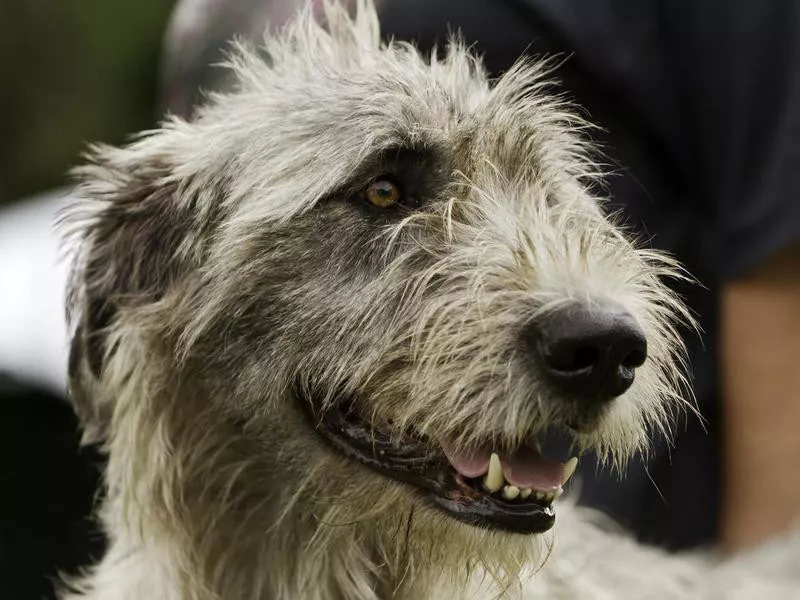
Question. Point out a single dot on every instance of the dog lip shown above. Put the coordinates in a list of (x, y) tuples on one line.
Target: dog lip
[(487, 513), (468, 504), (409, 462)]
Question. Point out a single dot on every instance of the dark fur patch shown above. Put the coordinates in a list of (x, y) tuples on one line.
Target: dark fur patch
[(132, 261), (133, 257)]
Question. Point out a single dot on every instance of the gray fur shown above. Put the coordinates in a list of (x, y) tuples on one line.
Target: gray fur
[(224, 264)]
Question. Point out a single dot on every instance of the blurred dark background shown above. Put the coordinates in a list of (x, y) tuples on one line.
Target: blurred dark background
[(72, 71)]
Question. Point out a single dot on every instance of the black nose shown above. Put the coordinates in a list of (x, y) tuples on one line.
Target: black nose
[(591, 352)]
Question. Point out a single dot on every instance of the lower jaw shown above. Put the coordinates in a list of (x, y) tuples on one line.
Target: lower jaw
[(523, 519), (461, 501), (439, 487)]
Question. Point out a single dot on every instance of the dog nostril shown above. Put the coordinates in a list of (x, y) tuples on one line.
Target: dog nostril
[(565, 357), (634, 359), (589, 352)]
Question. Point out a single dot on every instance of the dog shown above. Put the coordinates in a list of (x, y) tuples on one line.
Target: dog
[(345, 334)]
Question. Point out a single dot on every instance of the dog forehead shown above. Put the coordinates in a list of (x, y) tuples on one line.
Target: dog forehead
[(393, 99), (326, 119), (390, 93), (327, 103)]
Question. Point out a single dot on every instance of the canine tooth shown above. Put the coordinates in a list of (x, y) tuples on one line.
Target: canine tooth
[(493, 480), (557, 493), (510, 492), (524, 493), (569, 469)]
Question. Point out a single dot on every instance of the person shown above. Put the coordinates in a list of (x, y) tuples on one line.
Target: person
[(699, 104)]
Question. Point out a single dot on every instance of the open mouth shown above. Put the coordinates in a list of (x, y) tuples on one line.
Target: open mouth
[(511, 492)]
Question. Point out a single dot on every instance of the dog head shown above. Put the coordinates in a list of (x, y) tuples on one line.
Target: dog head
[(368, 280)]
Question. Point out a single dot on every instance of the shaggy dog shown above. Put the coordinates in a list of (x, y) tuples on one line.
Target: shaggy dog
[(332, 330)]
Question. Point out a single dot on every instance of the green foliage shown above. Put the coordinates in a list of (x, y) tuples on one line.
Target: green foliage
[(73, 71)]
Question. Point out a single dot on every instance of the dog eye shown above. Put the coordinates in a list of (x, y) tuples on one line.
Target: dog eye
[(383, 193)]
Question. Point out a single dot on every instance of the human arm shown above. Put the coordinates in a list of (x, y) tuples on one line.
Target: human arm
[(759, 357)]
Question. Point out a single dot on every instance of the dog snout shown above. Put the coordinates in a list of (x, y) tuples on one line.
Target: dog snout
[(588, 352)]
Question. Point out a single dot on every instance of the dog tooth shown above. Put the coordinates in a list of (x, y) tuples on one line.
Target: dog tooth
[(493, 480), (510, 492), (569, 469), (525, 492), (557, 493)]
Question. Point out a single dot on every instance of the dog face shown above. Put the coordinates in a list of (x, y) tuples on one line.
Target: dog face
[(376, 271)]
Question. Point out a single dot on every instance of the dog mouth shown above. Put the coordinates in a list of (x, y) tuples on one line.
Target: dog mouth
[(511, 491)]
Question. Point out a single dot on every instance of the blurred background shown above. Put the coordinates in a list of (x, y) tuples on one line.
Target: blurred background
[(70, 72)]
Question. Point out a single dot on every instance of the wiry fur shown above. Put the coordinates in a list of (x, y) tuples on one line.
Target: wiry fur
[(225, 265)]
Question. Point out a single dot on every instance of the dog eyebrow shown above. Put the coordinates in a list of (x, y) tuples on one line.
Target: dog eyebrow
[(392, 160)]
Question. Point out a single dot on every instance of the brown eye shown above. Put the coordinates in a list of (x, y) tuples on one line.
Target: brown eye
[(382, 193)]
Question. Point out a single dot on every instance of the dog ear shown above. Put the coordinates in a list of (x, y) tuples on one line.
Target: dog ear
[(130, 223)]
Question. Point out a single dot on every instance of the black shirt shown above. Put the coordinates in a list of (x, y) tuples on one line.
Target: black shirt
[(700, 102)]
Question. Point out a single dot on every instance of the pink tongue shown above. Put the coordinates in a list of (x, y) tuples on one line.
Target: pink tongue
[(473, 463), (526, 468)]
